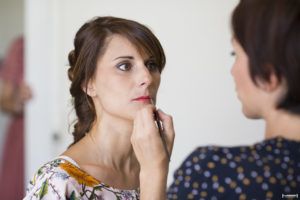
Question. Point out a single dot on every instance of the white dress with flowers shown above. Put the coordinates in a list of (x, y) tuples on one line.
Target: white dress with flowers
[(62, 178)]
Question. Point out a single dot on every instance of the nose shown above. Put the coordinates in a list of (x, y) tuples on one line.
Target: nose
[(144, 77)]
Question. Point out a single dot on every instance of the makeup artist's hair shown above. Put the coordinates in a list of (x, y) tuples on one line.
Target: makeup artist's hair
[(89, 44), (269, 32)]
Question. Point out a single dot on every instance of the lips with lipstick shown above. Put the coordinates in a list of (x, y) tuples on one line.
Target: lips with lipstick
[(146, 99)]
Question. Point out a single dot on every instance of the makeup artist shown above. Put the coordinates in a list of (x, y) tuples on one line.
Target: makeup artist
[(117, 152), (266, 43)]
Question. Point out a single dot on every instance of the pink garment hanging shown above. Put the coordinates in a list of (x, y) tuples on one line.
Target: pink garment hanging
[(12, 174)]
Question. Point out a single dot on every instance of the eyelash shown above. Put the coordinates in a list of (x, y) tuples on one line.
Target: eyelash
[(232, 53)]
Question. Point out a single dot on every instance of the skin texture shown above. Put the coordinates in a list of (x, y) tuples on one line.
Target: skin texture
[(124, 137)]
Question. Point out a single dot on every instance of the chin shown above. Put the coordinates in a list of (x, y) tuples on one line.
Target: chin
[(251, 115), (131, 115), (131, 112)]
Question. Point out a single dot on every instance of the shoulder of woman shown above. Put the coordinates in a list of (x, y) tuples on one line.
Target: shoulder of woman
[(51, 181)]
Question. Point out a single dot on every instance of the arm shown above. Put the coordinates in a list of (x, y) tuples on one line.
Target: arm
[(150, 152), (13, 98), (153, 184), (14, 91)]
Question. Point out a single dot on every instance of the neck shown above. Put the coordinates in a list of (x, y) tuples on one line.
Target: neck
[(110, 143), (280, 123)]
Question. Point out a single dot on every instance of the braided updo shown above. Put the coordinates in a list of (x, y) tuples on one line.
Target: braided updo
[(89, 44)]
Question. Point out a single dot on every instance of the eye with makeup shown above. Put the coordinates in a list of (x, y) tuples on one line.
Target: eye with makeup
[(151, 65), (124, 66)]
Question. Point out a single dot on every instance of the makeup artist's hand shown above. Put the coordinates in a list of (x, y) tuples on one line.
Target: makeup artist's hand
[(150, 152)]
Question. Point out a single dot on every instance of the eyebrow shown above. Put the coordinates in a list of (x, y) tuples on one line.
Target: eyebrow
[(128, 57)]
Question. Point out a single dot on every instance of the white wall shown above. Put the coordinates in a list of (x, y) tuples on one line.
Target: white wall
[(196, 88), (43, 116), (11, 22)]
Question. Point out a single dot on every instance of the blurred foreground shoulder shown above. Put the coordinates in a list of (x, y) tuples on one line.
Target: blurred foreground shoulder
[(271, 167)]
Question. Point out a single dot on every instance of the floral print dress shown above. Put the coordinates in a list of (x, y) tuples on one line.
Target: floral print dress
[(62, 178)]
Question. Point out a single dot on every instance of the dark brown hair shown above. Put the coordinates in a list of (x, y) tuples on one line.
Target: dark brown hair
[(89, 43), (269, 32)]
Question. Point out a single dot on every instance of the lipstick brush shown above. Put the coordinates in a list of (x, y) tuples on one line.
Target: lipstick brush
[(156, 116)]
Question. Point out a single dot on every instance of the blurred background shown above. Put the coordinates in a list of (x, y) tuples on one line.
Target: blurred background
[(196, 87), (9, 30)]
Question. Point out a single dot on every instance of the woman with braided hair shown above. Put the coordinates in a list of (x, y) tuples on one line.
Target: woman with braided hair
[(115, 70)]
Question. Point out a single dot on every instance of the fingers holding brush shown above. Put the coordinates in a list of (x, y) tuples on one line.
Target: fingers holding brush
[(150, 151), (146, 140)]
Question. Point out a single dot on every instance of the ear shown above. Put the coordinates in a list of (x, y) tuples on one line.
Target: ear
[(271, 85), (89, 89), (273, 82)]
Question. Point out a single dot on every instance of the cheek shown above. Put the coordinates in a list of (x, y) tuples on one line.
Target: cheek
[(239, 72), (235, 67), (114, 97), (232, 70), (110, 89), (156, 80), (235, 73), (114, 88)]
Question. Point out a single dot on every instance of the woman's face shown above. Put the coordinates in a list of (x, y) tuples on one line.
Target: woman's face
[(124, 80), (247, 91)]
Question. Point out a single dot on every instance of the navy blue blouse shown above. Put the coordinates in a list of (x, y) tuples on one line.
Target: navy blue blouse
[(266, 170)]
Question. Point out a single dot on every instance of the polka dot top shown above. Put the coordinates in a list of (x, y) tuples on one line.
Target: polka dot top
[(266, 170)]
